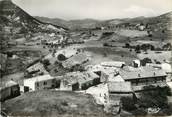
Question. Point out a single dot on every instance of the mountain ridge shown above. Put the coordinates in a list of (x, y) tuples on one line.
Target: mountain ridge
[(92, 23)]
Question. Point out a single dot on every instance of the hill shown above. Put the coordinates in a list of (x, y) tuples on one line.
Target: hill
[(161, 21), (16, 23), (53, 103), (16, 20), (54, 21), (71, 24)]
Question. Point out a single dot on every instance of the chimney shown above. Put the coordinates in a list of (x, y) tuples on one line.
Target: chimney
[(154, 73)]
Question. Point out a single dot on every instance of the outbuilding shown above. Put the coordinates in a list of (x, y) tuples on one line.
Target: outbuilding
[(8, 90)]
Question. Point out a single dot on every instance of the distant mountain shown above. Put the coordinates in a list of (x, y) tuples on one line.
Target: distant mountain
[(91, 23), (71, 24), (162, 19)]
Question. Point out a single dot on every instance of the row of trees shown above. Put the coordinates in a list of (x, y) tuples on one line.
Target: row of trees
[(146, 47)]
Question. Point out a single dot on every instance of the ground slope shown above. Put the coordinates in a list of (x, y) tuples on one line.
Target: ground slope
[(55, 104)]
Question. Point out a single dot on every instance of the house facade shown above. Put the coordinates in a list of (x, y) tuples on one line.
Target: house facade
[(144, 76), (40, 82), (9, 90), (117, 90)]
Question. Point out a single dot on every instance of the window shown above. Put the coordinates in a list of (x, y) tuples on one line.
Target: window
[(37, 84), (45, 83)]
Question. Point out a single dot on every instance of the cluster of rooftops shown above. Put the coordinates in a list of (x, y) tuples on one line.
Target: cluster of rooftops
[(115, 73), (118, 77)]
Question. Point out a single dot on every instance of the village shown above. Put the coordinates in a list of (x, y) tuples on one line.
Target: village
[(109, 68), (69, 68)]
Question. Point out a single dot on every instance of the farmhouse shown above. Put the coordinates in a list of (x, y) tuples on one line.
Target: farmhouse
[(8, 90), (79, 81), (107, 74), (40, 82), (144, 76)]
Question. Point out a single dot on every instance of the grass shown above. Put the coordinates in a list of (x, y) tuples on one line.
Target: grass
[(53, 103), (101, 54), (163, 55)]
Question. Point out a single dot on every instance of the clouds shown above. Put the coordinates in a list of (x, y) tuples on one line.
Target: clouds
[(135, 10), (96, 9)]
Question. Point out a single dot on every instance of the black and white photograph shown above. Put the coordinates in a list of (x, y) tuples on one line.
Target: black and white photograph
[(85, 58)]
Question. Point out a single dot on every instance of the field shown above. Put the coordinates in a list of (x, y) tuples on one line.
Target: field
[(54, 104), (100, 54), (159, 56)]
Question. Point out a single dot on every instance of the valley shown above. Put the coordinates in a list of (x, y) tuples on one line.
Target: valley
[(54, 67)]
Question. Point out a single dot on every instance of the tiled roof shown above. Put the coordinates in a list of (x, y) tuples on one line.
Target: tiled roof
[(80, 77), (7, 84), (40, 78), (142, 72), (37, 66), (74, 60)]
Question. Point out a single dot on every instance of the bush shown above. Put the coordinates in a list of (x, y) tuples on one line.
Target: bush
[(145, 60), (105, 44), (154, 97), (46, 62), (137, 48), (128, 104), (61, 57), (127, 45)]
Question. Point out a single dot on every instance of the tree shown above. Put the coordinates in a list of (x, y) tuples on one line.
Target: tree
[(128, 103), (137, 49), (154, 97), (144, 47), (167, 46), (145, 60), (127, 45), (61, 57), (105, 44), (46, 62), (152, 47)]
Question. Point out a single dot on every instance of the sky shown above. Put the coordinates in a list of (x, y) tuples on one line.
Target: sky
[(94, 9)]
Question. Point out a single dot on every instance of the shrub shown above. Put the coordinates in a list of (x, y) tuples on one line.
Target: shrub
[(61, 57), (145, 60), (105, 44), (46, 62), (127, 45), (128, 104), (154, 97)]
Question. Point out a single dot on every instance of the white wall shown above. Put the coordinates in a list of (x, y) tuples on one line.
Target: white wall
[(30, 84)]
